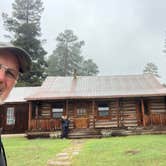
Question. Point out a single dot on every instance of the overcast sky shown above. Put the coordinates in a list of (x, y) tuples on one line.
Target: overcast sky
[(120, 36)]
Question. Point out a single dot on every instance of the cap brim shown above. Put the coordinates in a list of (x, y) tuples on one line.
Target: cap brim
[(23, 58)]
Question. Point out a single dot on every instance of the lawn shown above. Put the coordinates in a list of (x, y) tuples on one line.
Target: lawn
[(143, 150), (147, 150), (36, 152)]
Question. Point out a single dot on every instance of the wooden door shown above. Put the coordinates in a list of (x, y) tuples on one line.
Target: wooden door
[(81, 116), (81, 122)]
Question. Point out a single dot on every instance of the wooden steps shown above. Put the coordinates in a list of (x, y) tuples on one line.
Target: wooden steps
[(84, 133), (37, 134)]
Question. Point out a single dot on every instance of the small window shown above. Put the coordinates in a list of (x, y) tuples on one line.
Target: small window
[(81, 111), (10, 116), (103, 109), (57, 111)]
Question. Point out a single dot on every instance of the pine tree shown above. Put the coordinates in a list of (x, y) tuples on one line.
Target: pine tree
[(151, 68), (24, 27), (67, 57)]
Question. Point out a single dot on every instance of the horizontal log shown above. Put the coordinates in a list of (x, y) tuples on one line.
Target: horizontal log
[(106, 125), (129, 121), (158, 111), (131, 125), (133, 112), (157, 108)]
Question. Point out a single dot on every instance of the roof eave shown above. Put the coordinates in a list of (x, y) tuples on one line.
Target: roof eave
[(94, 97)]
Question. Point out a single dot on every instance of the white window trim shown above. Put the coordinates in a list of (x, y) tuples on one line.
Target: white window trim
[(57, 111), (10, 117)]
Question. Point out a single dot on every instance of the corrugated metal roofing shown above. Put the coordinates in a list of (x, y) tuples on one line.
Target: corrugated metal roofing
[(99, 86), (18, 94)]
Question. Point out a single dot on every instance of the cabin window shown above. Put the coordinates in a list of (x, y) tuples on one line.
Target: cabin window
[(103, 109), (10, 116), (81, 111), (57, 111)]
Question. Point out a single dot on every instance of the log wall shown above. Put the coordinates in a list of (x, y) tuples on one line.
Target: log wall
[(112, 119), (128, 113), (123, 112), (157, 111)]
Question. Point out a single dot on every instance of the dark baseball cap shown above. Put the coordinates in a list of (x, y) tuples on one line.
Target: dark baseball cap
[(22, 56)]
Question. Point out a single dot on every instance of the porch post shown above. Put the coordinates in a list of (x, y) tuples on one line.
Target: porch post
[(143, 112), (37, 114), (93, 112), (118, 107), (137, 113), (36, 111), (67, 108), (30, 115)]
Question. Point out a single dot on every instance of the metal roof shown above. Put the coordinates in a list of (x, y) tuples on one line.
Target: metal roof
[(18, 94), (99, 87)]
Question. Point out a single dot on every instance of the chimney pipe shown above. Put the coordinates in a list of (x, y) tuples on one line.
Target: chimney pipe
[(75, 74)]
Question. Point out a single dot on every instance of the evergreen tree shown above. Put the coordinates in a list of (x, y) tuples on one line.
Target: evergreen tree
[(89, 68), (67, 57), (151, 68), (24, 27)]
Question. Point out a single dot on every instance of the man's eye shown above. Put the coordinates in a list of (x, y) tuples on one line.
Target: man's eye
[(11, 74)]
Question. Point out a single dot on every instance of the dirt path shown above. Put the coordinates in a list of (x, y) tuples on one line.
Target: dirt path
[(65, 158)]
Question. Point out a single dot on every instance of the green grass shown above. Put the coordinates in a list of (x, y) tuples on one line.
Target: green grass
[(36, 152), (143, 150), (147, 150)]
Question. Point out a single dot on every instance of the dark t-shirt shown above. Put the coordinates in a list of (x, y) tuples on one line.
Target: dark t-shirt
[(2, 160), (65, 123), (2, 155)]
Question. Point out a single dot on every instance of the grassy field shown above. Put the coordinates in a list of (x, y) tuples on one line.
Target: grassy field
[(147, 150), (36, 152)]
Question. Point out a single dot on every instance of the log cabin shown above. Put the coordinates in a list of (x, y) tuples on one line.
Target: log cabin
[(14, 112), (98, 102)]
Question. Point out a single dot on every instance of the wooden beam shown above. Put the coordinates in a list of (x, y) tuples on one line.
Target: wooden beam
[(165, 112), (93, 112), (160, 119), (118, 107), (143, 112), (37, 114), (137, 113), (67, 108), (36, 111), (30, 115)]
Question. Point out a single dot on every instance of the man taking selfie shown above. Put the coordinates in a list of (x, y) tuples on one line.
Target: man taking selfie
[(13, 60)]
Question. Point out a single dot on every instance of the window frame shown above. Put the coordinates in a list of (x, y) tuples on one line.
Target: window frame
[(81, 111), (10, 116), (57, 108), (103, 107)]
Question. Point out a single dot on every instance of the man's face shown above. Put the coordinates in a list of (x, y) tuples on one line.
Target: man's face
[(8, 73)]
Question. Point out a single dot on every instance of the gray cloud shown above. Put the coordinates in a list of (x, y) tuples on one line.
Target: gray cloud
[(120, 36)]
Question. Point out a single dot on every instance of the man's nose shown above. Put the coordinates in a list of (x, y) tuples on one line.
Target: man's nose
[(2, 75)]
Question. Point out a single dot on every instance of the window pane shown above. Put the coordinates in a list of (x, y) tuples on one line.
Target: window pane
[(57, 111), (10, 116), (81, 111), (103, 113), (103, 109)]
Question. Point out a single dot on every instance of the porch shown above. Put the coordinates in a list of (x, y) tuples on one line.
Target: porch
[(97, 113)]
